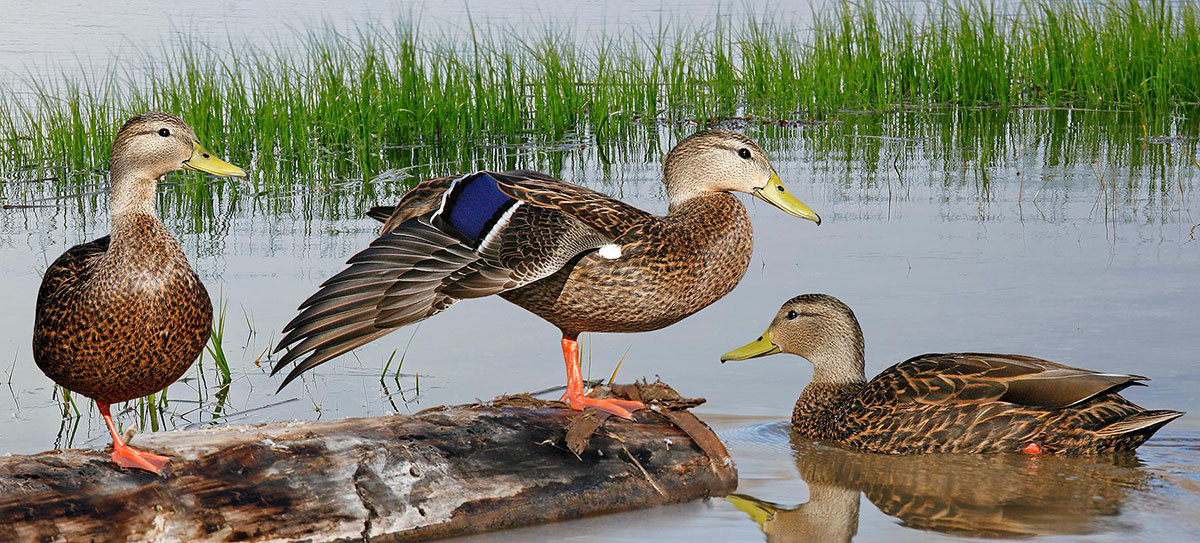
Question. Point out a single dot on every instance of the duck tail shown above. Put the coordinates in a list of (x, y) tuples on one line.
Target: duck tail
[(381, 213), (1146, 422)]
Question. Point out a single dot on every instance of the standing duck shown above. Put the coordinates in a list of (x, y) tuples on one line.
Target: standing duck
[(577, 258), (958, 402), (125, 315)]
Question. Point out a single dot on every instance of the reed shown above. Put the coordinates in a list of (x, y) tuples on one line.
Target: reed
[(349, 105), (215, 346)]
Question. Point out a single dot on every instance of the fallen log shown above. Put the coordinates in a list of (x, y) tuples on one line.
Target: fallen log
[(442, 472)]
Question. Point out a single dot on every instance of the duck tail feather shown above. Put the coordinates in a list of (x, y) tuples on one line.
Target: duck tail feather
[(381, 213), (1149, 421)]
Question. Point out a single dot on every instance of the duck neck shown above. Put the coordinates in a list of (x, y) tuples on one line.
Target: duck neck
[(837, 378), (682, 195), (131, 193), (131, 204), (832, 511), (722, 203), (677, 201)]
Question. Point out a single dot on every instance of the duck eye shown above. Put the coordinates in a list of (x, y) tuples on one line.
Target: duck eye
[(744, 153), (792, 314), (164, 132)]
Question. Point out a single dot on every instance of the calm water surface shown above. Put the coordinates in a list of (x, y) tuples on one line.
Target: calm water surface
[(1064, 235)]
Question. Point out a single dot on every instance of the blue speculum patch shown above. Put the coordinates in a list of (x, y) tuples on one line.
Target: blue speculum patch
[(474, 205)]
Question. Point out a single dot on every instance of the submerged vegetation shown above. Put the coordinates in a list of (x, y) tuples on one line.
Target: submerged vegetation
[(350, 106)]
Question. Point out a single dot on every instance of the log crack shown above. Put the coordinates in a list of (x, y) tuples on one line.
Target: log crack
[(361, 475)]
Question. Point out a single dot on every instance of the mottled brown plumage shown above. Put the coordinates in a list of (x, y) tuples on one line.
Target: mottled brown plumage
[(125, 315), (956, 402), (119, 320), (657, 287), (582, 260)]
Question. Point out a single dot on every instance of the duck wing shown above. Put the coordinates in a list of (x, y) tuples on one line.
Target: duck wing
[(965, 378), (424, 198), (605, 214), (449, 239), (71, 268), (65, 274)]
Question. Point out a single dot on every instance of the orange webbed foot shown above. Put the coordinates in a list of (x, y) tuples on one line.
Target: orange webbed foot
[(129, 457), (620, 408), (574, 397), (124, 455)]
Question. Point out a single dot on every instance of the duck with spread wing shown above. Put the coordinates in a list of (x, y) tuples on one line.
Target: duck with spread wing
[(582, 260)]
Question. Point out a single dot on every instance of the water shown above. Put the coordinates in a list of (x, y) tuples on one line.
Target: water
[(49, 36), (1063, 235)]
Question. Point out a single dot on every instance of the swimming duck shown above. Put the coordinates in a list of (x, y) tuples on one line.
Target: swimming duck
[(955, 402), (577, 258), (125, 315)]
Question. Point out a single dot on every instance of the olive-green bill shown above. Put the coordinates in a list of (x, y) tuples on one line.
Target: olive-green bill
[(776, 195), (204, 162), (759, 347)]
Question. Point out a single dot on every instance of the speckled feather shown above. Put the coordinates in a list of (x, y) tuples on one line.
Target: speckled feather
[(117, 321), (977, 403), (671, 267)]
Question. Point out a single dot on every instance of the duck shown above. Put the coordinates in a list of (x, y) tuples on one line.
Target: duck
[(947, 402), (579, 259), (125, 315)]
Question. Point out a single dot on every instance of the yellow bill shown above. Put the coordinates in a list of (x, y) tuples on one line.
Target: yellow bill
[(759, 347), (204, 162), (761, 511), (776, 195)]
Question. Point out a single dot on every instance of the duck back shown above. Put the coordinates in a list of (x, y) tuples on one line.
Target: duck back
[(668, 269), (982, 403)]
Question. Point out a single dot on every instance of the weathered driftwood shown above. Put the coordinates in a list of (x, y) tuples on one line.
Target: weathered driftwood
[(443, 472)]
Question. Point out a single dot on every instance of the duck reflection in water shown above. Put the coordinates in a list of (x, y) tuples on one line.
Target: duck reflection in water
[(993, 496)]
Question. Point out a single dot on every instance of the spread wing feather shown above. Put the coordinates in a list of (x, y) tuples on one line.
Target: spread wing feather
[(343, 314), (421, 199)]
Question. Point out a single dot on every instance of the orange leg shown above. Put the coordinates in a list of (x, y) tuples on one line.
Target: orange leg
[(574, 395), (127, 456)]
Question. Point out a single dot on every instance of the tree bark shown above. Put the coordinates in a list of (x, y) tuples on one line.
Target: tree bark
[(442, 472)]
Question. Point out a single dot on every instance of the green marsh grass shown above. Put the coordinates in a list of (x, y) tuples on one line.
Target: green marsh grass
[(215, 347), (69, 418), (349, 105)]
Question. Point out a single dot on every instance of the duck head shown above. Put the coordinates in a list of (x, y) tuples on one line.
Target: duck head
[(148, 147), (817, 327), (725, 161), (151, 145)]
